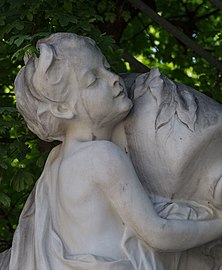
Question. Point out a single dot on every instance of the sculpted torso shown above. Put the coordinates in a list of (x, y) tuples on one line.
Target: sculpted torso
[(99, 229)]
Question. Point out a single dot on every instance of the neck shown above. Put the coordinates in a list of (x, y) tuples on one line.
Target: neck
[(84, 132)]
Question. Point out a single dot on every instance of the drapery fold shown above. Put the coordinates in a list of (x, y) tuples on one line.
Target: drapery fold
[(37, 245)]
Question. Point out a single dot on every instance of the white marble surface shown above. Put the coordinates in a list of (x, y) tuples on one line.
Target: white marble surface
[(173, 136), (89, 209)]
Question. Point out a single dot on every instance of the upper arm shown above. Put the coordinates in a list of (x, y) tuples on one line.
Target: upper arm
[(118, 180), (104, 166)]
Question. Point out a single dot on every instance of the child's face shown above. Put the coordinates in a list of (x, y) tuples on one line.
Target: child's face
[(102, 94)]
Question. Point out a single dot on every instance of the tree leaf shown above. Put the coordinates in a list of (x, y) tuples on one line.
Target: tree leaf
[(5, 200)]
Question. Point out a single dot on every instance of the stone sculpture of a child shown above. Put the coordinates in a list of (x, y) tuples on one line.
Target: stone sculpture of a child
[(88, 209)]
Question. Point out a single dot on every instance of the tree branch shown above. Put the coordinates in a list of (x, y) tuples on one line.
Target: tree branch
[(177, 33), (134, 62), (198, 7), (12, 140), (217, 3), (7, 140), (204, 16), (7, 94), (141, 68)]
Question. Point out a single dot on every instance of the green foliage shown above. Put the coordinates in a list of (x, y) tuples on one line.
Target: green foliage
[(116, 26)]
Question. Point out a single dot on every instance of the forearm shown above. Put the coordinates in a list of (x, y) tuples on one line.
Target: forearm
[(128, 198), (176, 235)]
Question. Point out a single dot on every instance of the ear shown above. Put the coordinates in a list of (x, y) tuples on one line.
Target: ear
[(62, 111)]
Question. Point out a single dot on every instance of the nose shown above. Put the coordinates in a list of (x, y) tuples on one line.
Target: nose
[(118, 86), (116, 83), (114, 79)]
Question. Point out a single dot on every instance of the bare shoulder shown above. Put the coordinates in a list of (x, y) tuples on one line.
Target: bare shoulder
[(111, 164), (97, 153), (107, 151), (100, 162)]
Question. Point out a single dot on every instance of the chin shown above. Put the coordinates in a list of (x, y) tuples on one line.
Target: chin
[(127, 105), (125, 109)]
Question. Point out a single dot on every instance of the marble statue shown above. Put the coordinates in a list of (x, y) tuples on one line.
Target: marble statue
[(97, 206)]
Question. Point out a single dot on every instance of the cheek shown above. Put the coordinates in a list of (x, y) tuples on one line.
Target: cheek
[(97, 103)]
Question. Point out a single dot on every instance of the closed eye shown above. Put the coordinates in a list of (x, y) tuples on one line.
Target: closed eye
[(92, 81)]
